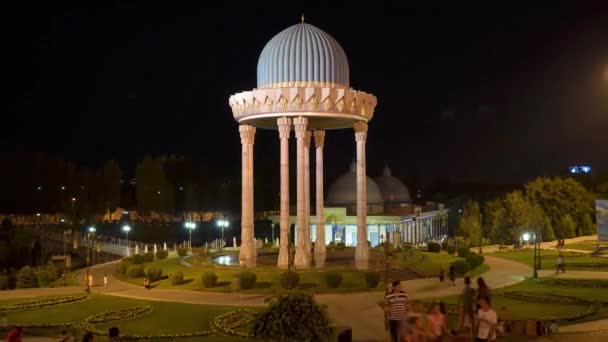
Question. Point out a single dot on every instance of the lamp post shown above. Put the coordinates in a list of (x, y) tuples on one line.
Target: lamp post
[(65, 256), (91, 232), (222, 224), (190, 226), (126, 228), (537, 241)]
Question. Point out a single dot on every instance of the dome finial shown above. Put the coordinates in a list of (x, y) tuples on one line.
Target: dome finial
[(302, 18)]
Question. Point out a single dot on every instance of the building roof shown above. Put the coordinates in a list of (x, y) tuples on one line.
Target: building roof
[(391, 188), (303, 55), (343, 190)]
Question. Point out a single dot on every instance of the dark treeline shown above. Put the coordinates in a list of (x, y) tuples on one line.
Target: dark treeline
[(39, 182)]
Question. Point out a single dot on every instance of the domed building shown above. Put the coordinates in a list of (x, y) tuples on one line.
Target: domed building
[(394, 193), (343, 193)]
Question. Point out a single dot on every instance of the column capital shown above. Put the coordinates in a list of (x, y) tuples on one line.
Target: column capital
[(307, 138), (247, 133), (319, 138), (299, 125), (360, 131), (284, 125)]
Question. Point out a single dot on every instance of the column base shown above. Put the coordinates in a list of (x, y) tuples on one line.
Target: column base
[(362, 256), (362, 264), (301, 259), (283, 261), (320, 260)]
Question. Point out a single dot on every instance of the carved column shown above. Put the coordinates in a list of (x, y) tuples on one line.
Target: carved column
[(320, 250), (284, 125), (362, 249), (300, 259), (247, 252), (307, 241)]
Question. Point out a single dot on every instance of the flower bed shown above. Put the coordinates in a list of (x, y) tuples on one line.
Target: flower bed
[(229, 323), (545, 298), (42, 303), (585, 283)]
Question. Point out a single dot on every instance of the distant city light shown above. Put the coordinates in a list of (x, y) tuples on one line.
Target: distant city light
[(62, 187), (92, 229), (39, 188), (158, 192), (62, 220), (73, 199), (580, 169), (190, 225), (526, 236), (125, 213), (181, 188), (126, 228), (37, 214)]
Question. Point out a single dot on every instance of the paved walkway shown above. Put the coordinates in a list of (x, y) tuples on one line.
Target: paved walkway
[(358, 310)]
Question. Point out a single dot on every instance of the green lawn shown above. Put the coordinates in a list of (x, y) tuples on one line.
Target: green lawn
[(267, 278), (476, 272), (427, 263), (165, 317), (574, 261)]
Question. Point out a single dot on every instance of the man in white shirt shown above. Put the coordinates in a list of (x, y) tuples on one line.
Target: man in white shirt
[(486, 322)]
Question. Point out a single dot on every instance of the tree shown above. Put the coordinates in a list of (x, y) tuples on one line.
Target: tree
[(154, 192), (111, 184), (567, 227), (587, 226), (494, 221), (469, 226), (517, 214), (558, 197), (547, 231)]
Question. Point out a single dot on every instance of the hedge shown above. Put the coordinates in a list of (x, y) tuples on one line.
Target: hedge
[(155, 273), (209, 279), (434, 247), (26, 278), (289, 280), (137, 259), (333, 279), (463, 251), (177, 278), (372, 279), (149, 257), (461, 267), (124, 265), (162, 254), (182, 252), (135, 271), (451, 249), (474, 260), (247, 279)]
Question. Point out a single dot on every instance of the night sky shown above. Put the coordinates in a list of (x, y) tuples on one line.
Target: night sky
[(482, 94)]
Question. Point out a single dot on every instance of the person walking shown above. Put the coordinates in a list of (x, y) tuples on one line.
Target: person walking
[(486, 322), (88, 337), (452, 273), (15, 334), (114, 334), (483, 291), (467, 306), (441, 276), (437, 324), (396, 306), (560, 264), (105, 281)]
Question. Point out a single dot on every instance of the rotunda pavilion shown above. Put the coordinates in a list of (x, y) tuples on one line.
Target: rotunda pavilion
[(302, 84)]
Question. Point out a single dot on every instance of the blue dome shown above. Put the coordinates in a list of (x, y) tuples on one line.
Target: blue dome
[(302, 55)]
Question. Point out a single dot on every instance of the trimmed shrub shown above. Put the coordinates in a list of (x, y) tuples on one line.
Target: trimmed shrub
[(46, 275), (247, 279), (149, 257), (474, 260), (177, 278), (451, 249), (26, 278), (461, 267), (340, 246), (407, 245), (294, 316), (372, 279), (331, 245), (162, 254), (138, 259), (135, 271), (333, 279), (290, 280), (267, 245), (182, 252), (463, 251), (209, 279), (154, 273), (124, 266), (434, 247), (3, 282)]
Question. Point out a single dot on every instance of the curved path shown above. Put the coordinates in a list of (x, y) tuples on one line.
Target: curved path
[(357, 310)]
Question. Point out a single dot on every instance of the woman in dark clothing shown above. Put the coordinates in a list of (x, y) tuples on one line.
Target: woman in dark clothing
[(482, 290)]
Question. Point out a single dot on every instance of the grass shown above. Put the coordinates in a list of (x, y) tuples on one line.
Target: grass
[(573, 261), (165, 318), (427, 263), (71, 280), (267, 278), (479, 270)]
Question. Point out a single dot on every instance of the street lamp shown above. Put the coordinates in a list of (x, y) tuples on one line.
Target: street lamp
[(88, 280), (126, 228), (190, 226), (223, 224)]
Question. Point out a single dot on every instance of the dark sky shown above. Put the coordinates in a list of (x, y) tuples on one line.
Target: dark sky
[(493, 94)]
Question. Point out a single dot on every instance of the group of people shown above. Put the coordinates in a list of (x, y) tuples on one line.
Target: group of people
[(15, 335), (412, 323), (451, 275)]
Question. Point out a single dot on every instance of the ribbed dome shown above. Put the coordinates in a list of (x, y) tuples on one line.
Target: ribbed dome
[(343, 191), (302, 55), (392, 189)]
